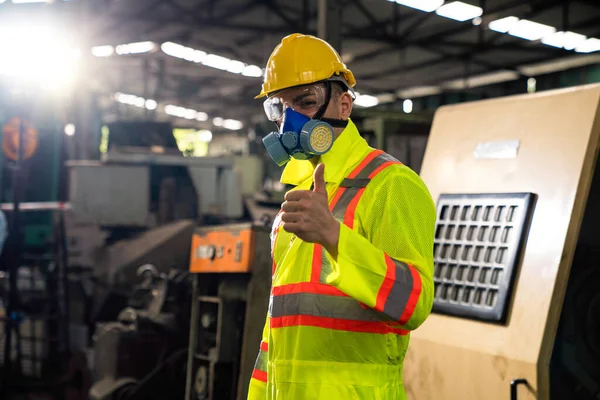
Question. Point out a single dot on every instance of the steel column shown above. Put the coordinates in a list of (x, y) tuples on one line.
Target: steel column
[(329, 23)]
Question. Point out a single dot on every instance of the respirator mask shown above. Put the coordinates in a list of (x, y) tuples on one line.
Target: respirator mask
[(299, 136)]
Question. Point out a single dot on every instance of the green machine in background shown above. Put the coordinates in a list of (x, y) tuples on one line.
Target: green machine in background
[(40, 175)]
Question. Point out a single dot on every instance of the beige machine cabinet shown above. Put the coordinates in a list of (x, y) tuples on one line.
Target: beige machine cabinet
[(545, 144)]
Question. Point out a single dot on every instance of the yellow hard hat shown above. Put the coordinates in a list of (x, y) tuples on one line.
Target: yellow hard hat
[(300, 60)]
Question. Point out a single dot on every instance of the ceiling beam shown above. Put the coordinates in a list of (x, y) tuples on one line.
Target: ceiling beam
[(476, 50)]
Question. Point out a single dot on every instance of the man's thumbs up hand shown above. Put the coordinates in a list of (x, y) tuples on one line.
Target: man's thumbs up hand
[(306, 214), (319, 179)]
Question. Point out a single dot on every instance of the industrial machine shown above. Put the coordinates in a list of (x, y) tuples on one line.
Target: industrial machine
[(517, 247), (142, 354), (231, 267)]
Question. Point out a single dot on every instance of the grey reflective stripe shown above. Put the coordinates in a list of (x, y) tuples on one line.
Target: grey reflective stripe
[(339, 210), (398, 297), (353, 185), (374, 164), (318, 305), (262, 361), (326, 267)]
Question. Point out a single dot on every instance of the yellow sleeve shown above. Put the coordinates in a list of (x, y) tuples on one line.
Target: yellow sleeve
[(387, 263), (258, 382)]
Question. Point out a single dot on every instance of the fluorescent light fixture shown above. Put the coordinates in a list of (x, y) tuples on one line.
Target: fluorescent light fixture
[(103, 51), (589, 46), (423, 5), (69, 129), (135, 48), (252, 71), (557, 39), (151, 104), (205, 136), (217, 121), (210, 60), (135, 101), (183, 52), (503, 25), (215, 61), (235, 67), (201, 116), (459, 11), (482, 80), (365, 100), (407, 106), (530, 30), (566, 40), (30, 1), (232, 124)]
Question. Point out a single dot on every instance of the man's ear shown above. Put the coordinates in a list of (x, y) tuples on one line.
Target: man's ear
[(345, 105)]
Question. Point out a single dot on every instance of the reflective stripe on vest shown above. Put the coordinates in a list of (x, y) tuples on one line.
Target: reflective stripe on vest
[(315, 303), (260, 366)]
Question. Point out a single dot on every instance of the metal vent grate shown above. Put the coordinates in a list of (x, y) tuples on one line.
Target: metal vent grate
[(478, 241)]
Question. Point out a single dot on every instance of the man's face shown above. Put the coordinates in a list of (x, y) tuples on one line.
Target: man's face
[(307, 100)]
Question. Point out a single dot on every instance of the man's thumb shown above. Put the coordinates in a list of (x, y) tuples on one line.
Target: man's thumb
[(319, 179)]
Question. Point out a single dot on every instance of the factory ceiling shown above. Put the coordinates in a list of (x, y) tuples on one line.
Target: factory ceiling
[(203, 58)]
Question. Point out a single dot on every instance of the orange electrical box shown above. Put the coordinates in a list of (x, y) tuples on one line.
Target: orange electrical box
[(228, 248)]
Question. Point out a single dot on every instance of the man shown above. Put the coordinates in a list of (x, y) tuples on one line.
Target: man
[(352, 246)]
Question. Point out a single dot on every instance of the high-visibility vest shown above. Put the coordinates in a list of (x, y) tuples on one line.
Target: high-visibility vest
[(360, 352)]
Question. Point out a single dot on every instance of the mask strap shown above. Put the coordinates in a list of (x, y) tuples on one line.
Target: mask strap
[(336, 123)]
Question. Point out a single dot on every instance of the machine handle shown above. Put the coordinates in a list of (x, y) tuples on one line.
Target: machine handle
[(514, 384)]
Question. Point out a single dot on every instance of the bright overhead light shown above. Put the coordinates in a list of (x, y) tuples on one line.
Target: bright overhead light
[(423, 5), (232, 124), (503, 25), (151, 104), (459, 11), (103, 51), (69, 129), (407, 106), (217, 121), (201, 116), (365, 100), (37, 53), (566, 40), (215, 61), (253, 71), (29, 1), (183, 52), (136, 101), (135, 48), (589, 46), (530, 30), (235, 67), (211, 60), (205, 136)]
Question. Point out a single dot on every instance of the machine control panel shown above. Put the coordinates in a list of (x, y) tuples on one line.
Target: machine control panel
[(222, 249)]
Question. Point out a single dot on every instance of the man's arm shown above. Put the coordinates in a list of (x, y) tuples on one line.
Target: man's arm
[(388, 265)]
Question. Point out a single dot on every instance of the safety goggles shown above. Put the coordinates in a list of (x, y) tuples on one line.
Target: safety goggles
[(306, 100)]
